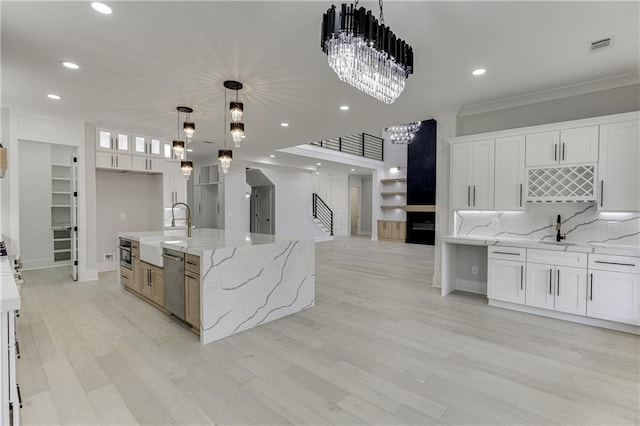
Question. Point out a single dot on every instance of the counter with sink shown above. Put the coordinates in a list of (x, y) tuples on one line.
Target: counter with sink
[(595, 284), (243, 279)]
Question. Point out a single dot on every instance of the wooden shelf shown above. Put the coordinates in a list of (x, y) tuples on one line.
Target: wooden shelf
[(389, 194), (392, 206), (421, 208), (393, 180)]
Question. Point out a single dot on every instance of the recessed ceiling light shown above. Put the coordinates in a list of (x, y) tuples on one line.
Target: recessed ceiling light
[(317, 173), (101, 7), (53, 96), (272, 156), (70, 65), (243, 136), (189, 150), (479, 71), (284, 124), (318, 164), (344, 107), (353, 170)]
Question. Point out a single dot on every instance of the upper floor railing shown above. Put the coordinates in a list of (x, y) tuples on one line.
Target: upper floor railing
[(360, 144)]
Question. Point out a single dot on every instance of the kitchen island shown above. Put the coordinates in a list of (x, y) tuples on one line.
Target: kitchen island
[(238, 280)]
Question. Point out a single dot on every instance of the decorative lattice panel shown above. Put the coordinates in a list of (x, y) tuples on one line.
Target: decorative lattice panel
[(561, 183)]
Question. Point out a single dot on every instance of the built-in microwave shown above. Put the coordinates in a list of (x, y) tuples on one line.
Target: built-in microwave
[(125, 253)]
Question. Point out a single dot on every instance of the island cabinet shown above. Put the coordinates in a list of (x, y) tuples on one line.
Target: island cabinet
[(152, 282), (192, 290)]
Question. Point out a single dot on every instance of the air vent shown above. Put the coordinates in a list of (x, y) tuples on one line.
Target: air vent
[(599, 45)]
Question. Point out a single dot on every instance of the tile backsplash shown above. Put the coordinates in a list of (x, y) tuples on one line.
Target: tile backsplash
[(580, 221)]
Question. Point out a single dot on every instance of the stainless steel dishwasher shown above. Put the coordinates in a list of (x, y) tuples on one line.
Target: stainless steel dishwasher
[(174, 282)]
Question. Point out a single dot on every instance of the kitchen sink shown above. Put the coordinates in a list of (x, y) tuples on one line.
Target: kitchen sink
[(556, 243)]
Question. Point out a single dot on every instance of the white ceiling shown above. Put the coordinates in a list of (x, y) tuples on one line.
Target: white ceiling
[(148, 57)]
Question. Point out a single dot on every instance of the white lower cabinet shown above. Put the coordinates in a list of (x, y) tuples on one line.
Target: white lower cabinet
[(505, 277), (560, 285), (614, 289), (561, 288)]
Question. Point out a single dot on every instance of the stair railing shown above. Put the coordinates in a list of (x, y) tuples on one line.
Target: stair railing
[(360, 144), (322, 212)]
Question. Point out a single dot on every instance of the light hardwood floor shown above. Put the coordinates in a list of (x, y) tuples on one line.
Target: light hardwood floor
[(380, 347)]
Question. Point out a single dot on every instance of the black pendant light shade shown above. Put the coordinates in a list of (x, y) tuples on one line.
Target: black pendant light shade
[(187, 167), (224, 157), (236, 109), (178, 148), (189, 127)]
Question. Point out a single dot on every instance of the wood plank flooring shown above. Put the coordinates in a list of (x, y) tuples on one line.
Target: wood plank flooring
[(380, 347)]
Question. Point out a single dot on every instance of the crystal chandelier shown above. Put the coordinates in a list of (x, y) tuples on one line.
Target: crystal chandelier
[(179, 146), (189, 127), (365, 53), (225, 156), (403, 134), (236, 128)]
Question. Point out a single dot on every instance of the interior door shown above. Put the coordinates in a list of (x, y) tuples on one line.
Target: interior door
[(74, 217), (355, 215), (263, 209)]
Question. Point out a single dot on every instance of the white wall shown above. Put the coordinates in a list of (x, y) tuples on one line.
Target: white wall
[(366, 217), (36, 240), (395, 166), (5, 222), (334, 190), (594, 104), (125, 202), (236, 208)]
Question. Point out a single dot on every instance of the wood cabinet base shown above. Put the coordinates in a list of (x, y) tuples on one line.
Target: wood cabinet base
[(392, 230)]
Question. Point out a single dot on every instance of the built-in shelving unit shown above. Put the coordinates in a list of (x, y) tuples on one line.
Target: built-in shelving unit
[(394, 191), (61, 211)]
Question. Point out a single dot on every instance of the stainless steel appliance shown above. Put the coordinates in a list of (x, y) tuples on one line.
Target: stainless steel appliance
[(125, 253), (173, 262)]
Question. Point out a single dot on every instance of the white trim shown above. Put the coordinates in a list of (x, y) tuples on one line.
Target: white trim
[(551, 94), (107, 266), (614, 118), (628, 328)]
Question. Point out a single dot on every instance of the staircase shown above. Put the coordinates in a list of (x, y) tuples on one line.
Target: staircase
[(322, 216)]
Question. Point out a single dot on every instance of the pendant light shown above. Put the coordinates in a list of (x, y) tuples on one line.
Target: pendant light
[(179, 147), (236, 109), (189, 127), (225, 156)]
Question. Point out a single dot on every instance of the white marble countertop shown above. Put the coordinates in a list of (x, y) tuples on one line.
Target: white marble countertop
[(201, 240), (622, 250)]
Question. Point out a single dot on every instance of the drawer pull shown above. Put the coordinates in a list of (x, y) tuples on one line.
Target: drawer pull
[(558, 283), (189, 276), (506, 252), (550, 279), (615, 263), (521, 277), (19, 396), (591, 296), (17, 349)]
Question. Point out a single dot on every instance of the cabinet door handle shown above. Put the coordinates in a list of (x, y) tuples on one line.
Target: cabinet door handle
[(555, 152), (521, 277), (117, 165), (112, 160), (550, 280), (591, 292), (468, 196), (562, 151), (558, 284), (615, 263), (601, 193), (474, 195), (520, 195), (506, 252)]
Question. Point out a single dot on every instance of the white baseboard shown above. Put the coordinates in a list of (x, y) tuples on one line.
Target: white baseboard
[(628, 328), (471, 286), (88, 275), (106, 266), (39, 264)]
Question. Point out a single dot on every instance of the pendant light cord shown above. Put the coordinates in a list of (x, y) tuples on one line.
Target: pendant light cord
[(225, 118)]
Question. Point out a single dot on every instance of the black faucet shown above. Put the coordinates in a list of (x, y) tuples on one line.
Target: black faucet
[(559, 236)]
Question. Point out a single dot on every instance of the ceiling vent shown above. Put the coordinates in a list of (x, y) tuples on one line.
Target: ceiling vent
[(599, 45)]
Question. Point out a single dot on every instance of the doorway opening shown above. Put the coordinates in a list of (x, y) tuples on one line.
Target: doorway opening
[(262, 206)]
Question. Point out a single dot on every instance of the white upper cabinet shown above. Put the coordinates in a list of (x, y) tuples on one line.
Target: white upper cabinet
[(510, 173), (472, 171), (167, 151), (114, 141), (568, 146), (619, 167), (147, 145)]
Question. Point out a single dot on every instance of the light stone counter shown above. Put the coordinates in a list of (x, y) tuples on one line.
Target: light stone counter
[(246, 279)]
